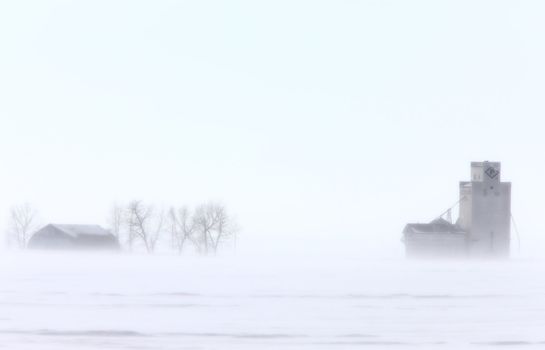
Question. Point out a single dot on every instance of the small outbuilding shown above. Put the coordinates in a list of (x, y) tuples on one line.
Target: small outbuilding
[(437, 238), (85, 237)]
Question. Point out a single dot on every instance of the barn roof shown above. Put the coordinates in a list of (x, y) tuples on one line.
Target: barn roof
[(81, 230), (437, 226)]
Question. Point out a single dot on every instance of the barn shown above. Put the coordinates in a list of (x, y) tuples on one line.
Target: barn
[(85, 237)]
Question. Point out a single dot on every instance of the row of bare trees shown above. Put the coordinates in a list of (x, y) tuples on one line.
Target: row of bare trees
[(205, 228)]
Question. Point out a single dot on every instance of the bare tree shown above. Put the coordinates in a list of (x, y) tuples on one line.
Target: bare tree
[(23, 221), (225, 227), (205, 220), (182, 228), (116, 220), (214, 226), (144, 224)]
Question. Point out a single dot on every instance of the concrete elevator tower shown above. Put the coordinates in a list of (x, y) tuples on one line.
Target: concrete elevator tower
[(485, 211)]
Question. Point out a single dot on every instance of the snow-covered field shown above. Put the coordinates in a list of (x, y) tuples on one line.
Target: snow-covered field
[(72, 301)]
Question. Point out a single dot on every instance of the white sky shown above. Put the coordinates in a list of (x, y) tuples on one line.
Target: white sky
[(324, 121)]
